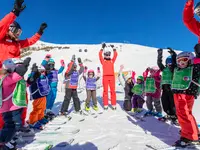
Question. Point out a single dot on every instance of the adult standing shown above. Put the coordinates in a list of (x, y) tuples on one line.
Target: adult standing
[(108, 75)]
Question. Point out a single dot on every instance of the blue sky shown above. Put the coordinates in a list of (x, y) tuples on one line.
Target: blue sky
[(156, 23)]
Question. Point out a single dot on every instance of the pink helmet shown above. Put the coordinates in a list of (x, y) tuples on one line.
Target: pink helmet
[(90, 71)]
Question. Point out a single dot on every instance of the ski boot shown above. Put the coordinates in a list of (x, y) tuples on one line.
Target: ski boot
[(26, 131), (87, 107), (183, 142), (64, 114), (37, 125), (9, 146), (139, 110), (113, 107), (158, 114), (134, 110), (105, 107), (50, 115), (164, 118), (95, 107), (44, 121), (148, 113)]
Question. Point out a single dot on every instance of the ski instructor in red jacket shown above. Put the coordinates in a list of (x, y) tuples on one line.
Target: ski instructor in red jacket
[(188, 18), (10, 44), (108, 75)]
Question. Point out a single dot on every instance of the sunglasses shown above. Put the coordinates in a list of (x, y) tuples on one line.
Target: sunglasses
[(15, 31), (184, 59), (90, 74)]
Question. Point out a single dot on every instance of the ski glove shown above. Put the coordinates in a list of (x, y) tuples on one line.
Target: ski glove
[(103, 45), (43, 26), (22, 69), (62, 63), (85, 69), (18, 7), (197, 50), (171, 51), (73, 58), (48, 56), (98, 69), (160, 52), (34, 68), (79, 61)]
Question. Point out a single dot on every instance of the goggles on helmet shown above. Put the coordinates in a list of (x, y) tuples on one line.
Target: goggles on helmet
[(15, 30)]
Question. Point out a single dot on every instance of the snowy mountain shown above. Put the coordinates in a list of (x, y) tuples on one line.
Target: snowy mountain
[(107, 130)]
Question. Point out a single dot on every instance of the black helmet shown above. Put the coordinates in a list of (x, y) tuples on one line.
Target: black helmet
[(15, 28)]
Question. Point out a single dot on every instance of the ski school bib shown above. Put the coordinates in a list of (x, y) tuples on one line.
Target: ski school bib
[(74, 79), (182, 78), (42, 87), (150, 85), (137, 89), (91, 84), (167, 76), (53, 76)]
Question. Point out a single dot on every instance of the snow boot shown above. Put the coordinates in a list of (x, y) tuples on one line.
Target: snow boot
[(44, 121), (164, 118), (183, 142), (95, 107), (37, 125), (64, 113)]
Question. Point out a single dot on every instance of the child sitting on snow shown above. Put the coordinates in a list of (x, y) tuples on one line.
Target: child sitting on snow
[(91, 87), (39, 89), (153, 91), (12, 98), (138, 95), (127, 85)]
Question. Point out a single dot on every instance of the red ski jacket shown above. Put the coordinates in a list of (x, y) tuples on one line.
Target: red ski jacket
[(188, 18), (108, 65), (9, 48)]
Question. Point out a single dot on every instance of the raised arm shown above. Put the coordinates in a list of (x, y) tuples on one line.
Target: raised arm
[(159, 59), (62, 66), (173, 54), (122, 83), (100, 56), (188, 18), (115, 55)]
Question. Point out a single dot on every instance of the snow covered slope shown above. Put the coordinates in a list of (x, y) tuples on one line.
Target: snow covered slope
[(112, 130)]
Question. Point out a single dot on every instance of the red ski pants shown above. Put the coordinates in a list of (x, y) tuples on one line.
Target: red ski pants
[(184, 104), (109, 81)]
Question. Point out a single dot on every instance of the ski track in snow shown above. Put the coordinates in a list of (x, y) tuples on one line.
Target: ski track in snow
[(112, 130)]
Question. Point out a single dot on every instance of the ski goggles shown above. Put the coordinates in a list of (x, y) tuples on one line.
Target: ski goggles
[(183, 59), (15, 31)]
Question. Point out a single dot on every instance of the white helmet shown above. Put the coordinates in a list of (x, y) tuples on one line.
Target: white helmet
[(9, 65), (41, 68), (188, 55)]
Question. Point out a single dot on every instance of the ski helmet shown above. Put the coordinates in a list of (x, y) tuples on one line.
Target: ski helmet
[(51, 61), (187, 55), (140, 78), (15, 28), (41, 69), (168, 60), (107, 52), (91, 71), (9, 65)]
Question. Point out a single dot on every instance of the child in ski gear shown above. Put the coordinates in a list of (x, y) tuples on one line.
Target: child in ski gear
[(127, 84), (185, 88), (71, 84), (167, 76), (108, 75), (153, 91), (189, 20), (91, 79), (52, 75), (13, 98), (138, 95), (39, 89)]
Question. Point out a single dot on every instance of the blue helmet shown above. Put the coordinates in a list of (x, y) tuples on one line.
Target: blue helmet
[(51, 61), (168, 60)]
